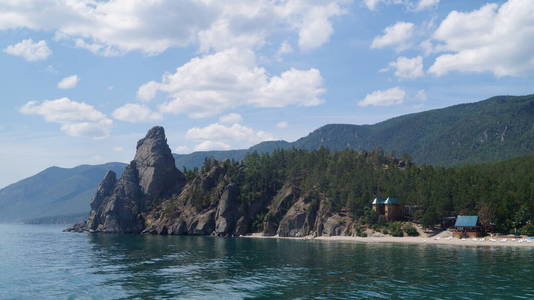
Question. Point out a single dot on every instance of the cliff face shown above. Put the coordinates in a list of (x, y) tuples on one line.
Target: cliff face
[(152, 197), (121, 205)]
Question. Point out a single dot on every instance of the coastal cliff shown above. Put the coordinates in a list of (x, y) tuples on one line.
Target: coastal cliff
[(294, 193), (153, 197)]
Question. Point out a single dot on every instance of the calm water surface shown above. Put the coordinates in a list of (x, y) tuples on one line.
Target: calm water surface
[(41, 262)]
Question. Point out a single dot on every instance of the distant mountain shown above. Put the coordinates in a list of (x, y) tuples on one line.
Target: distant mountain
[(54, 192), (498, 128)]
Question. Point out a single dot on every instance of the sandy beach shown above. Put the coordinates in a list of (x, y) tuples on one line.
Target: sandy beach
[(486, 241)]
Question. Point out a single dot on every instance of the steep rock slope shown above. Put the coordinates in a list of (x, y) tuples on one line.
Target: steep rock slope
[(120, 205)]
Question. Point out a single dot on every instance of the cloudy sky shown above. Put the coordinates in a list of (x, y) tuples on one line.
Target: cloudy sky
[(82, 80)]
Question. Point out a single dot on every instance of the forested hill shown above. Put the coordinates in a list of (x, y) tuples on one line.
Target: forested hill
[(299, 193), (495, 129)]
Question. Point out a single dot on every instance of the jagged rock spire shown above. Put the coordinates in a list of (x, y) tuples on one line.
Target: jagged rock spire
[(119, 206)]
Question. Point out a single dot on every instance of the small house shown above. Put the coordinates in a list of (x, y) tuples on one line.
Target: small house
[(467, 226), (390, 208), (378, 206)]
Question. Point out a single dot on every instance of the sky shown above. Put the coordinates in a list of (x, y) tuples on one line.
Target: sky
[(83, 80)]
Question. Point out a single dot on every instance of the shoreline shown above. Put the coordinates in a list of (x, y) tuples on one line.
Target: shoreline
[(488, 241)]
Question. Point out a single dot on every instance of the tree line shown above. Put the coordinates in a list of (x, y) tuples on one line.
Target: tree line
[(500, 193)]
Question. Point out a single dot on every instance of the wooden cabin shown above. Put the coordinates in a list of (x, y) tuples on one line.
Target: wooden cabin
[(467, 227), (390, 208)]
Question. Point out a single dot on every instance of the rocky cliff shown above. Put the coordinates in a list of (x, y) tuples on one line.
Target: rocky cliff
[(152, 197), (121, 205)]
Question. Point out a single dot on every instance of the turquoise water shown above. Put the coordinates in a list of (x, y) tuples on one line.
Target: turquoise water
[(41, 262)]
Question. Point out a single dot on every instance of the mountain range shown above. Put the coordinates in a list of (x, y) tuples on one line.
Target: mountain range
[(498, 128), (495, 129)]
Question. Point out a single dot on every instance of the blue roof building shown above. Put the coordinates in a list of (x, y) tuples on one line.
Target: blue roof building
[(391, 200), (466, 221), (467, 226), (379, 201)]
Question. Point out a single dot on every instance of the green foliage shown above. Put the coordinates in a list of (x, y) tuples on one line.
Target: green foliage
[(527, 230), (395, 229), (347, 181), (430, 218), (410, 230)]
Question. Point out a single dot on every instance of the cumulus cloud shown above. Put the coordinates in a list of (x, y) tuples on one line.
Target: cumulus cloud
[(495, 38), (211, 145), (68, 82), (211, 84), (118, 26), (29, 50), (387, 97), (315, 27), (407, 68), (75, 118), (231, 118), (398, 36), (136, 113), (235, 135)]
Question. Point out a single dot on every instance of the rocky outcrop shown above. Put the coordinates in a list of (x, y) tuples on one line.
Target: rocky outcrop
[(120, 205), (152, 197)]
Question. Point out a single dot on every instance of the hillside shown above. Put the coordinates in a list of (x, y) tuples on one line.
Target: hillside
[(299, 193), (53, 192), (498, 128)]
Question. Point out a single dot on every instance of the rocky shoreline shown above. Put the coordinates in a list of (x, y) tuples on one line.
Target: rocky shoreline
[(153, 197)]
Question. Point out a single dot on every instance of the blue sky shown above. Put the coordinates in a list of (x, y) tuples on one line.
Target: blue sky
[(83, 80)]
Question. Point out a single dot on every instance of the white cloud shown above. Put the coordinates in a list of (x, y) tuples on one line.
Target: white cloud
[(495, 38), (136, 113), (211, 84), (68, 82), (211, 145), (398, 36), (282, 124), (425, 4), (231, 118), (315, 28), (407, 68), (118, 149), (29, 50), (236, 135), (387, 97), (76, 118), (118, 26)]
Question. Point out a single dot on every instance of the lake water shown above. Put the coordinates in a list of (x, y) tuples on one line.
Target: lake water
[(41, 262)]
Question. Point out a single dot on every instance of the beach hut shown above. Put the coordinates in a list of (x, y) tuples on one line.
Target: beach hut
[(393, 209), (390, 208), (378, 206), (467, 226)]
